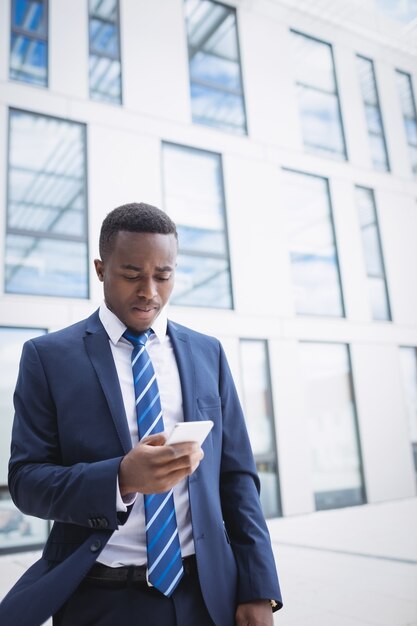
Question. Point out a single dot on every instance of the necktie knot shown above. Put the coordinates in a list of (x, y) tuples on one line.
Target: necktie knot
[(137, 339)]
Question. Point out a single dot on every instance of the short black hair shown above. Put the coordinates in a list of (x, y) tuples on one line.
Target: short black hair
[(134, 218)]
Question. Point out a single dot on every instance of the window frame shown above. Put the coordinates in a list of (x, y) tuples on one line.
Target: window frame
[(111, 57), (244, 130), (319, 150), (272, 457), (227, 255), (32, 37), (371, 133), (291, 170), (15, 549), (39, 235), (355, 415), (383, 276), (409, 78)]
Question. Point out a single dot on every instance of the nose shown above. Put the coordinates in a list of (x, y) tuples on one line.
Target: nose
[(147, 288)]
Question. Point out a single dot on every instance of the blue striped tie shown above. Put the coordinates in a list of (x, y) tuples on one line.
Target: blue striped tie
[(165, 568)]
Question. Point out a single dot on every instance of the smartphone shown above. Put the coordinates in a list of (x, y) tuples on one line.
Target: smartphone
[(190, 431)]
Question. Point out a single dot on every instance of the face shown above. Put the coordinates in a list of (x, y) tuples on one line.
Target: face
[(138, 277)]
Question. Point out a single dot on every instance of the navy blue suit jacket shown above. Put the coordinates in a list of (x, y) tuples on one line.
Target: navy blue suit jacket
[(69, 436)]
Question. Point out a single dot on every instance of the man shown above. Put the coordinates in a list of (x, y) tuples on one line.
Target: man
[(76, 459)]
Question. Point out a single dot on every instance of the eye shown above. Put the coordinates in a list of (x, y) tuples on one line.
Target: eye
[(163, 277), (131, 277)]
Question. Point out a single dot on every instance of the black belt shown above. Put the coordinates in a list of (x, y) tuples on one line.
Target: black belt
[(106, 576)]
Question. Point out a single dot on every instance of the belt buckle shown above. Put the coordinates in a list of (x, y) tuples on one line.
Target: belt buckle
[(148, 582)]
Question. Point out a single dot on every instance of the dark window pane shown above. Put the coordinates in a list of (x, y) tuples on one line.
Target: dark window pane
[(29, 15), (28, 42)]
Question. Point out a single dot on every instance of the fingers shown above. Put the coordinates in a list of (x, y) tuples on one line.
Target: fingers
[(158, 439), (152, 467)]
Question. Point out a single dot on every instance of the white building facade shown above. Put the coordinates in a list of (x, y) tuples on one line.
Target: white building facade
[(281, 137)]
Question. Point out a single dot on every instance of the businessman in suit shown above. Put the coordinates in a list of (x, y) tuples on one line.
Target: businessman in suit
[(80, 458)]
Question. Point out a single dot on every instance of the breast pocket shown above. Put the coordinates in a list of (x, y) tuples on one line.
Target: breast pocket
[(209, 403)]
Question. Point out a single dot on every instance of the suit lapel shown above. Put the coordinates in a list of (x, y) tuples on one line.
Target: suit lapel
[(99, 351), (185, 362)]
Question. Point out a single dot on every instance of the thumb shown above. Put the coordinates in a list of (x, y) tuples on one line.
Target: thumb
[(158, 439)]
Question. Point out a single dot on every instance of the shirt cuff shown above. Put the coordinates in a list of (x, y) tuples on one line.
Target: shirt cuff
[(122, 502)]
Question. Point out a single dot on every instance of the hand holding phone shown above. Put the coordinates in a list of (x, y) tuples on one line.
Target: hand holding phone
[(190, 431)]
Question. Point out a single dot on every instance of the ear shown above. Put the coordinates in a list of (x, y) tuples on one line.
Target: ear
[(99, 265)]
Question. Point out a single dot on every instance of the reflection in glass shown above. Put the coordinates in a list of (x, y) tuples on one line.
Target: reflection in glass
[(409, 375), (404, 11), (46, 239), (259, 415), (408, 107), (104, 62), (374, 261), (215, 77), (321, 119), (379, 154), (314, 264), (331, 422), (194, 198), (16, 529), (29, 42)]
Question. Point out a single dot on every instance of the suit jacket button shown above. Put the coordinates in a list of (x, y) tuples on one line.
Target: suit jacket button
[(104, 523), (95, 546)]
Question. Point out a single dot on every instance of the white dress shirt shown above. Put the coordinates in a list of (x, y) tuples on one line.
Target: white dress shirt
[(127, 545)]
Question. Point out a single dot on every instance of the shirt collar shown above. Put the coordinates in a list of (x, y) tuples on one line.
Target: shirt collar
[(115, 327)]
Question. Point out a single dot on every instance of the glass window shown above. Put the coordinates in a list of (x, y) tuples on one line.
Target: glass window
[(331, 424), (321, 120), (409, 375), (314, 263), (194, 198), (408, 107), (46, 238), (373, 115), (404, 11), (29, 42), (374, 261), (215, 76), (104, 64), (259, 415), (16, 529)]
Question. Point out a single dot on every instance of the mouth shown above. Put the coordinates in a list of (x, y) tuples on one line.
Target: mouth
[(145, 309)]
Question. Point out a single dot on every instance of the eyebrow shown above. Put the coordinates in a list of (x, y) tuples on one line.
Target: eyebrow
[(135, 268)]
